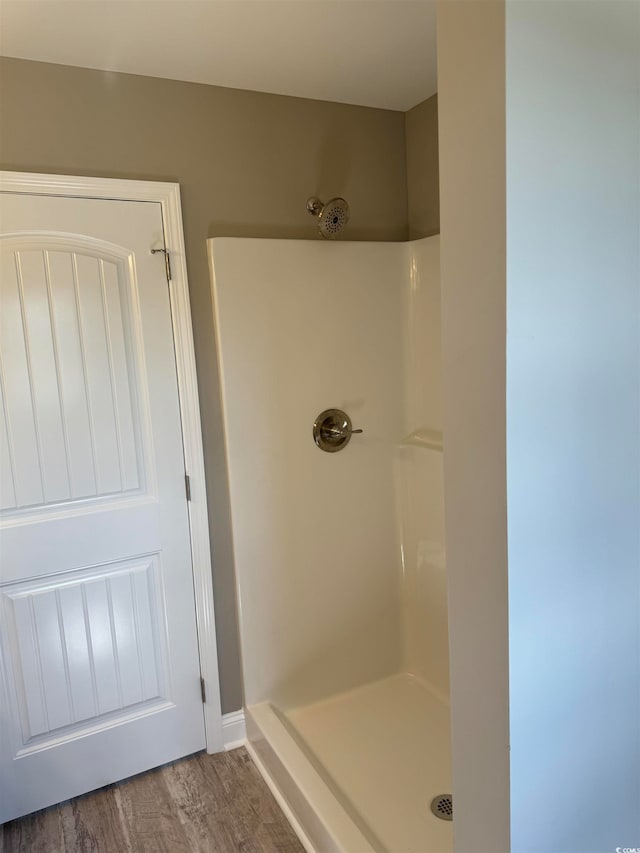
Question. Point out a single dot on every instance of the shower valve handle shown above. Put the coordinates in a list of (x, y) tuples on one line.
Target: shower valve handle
[(332, 430), (340, 433)]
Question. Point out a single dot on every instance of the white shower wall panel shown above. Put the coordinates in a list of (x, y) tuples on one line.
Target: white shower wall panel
[(419, 472), (303, 326), (422, 335)]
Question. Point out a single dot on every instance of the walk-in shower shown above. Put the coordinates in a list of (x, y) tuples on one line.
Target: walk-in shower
[(339, 555)]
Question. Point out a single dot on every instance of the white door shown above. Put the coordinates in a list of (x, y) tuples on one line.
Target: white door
[(100, 675)]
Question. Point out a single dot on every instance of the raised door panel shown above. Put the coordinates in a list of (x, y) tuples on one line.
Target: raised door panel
[(71, 425), (84, 649)]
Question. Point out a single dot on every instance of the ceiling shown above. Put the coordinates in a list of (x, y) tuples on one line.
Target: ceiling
[(378, 53)]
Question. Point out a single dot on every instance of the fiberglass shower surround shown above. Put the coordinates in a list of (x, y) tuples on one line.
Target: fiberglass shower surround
[(339, 556)]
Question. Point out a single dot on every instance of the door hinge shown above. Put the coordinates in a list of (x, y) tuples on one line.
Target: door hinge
[(187, 486), (203, 692), (167, 260)]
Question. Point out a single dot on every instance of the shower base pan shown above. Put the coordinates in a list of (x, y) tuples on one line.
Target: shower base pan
[(357, 772)]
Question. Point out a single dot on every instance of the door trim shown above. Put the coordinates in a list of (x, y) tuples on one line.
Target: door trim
[(168, 196)]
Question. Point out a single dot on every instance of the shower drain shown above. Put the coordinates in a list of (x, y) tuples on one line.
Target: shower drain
[(442, 806)]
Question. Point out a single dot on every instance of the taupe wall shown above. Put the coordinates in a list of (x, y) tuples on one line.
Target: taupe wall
[(423, 193), (246, 163)]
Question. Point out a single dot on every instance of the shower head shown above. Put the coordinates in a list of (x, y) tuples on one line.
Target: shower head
[(332, 217)]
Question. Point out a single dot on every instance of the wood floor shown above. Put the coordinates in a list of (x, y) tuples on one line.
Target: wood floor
[(202, 804)]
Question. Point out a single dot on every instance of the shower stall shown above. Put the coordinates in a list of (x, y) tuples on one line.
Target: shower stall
[(339, 555)]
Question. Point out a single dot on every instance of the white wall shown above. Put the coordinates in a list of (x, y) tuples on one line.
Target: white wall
[(569, 176), (419, 474), (472, 207), (326, 601), (573, 107), (304, 326)]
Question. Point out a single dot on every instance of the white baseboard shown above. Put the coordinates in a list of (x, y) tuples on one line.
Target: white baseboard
[(234, 732)]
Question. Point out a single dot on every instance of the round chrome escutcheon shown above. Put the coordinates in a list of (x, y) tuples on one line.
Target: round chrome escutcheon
[(332, 430)]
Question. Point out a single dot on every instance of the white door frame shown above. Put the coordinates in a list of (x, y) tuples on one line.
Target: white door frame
[(168, 196)]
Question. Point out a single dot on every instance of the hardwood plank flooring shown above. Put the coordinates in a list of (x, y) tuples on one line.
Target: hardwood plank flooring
[(202, 804)]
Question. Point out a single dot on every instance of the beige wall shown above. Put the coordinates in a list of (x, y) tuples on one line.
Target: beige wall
[(246, 163), (471, 94), (423, 192)]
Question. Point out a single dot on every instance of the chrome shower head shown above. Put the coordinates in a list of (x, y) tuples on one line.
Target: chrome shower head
[(332, 217)]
